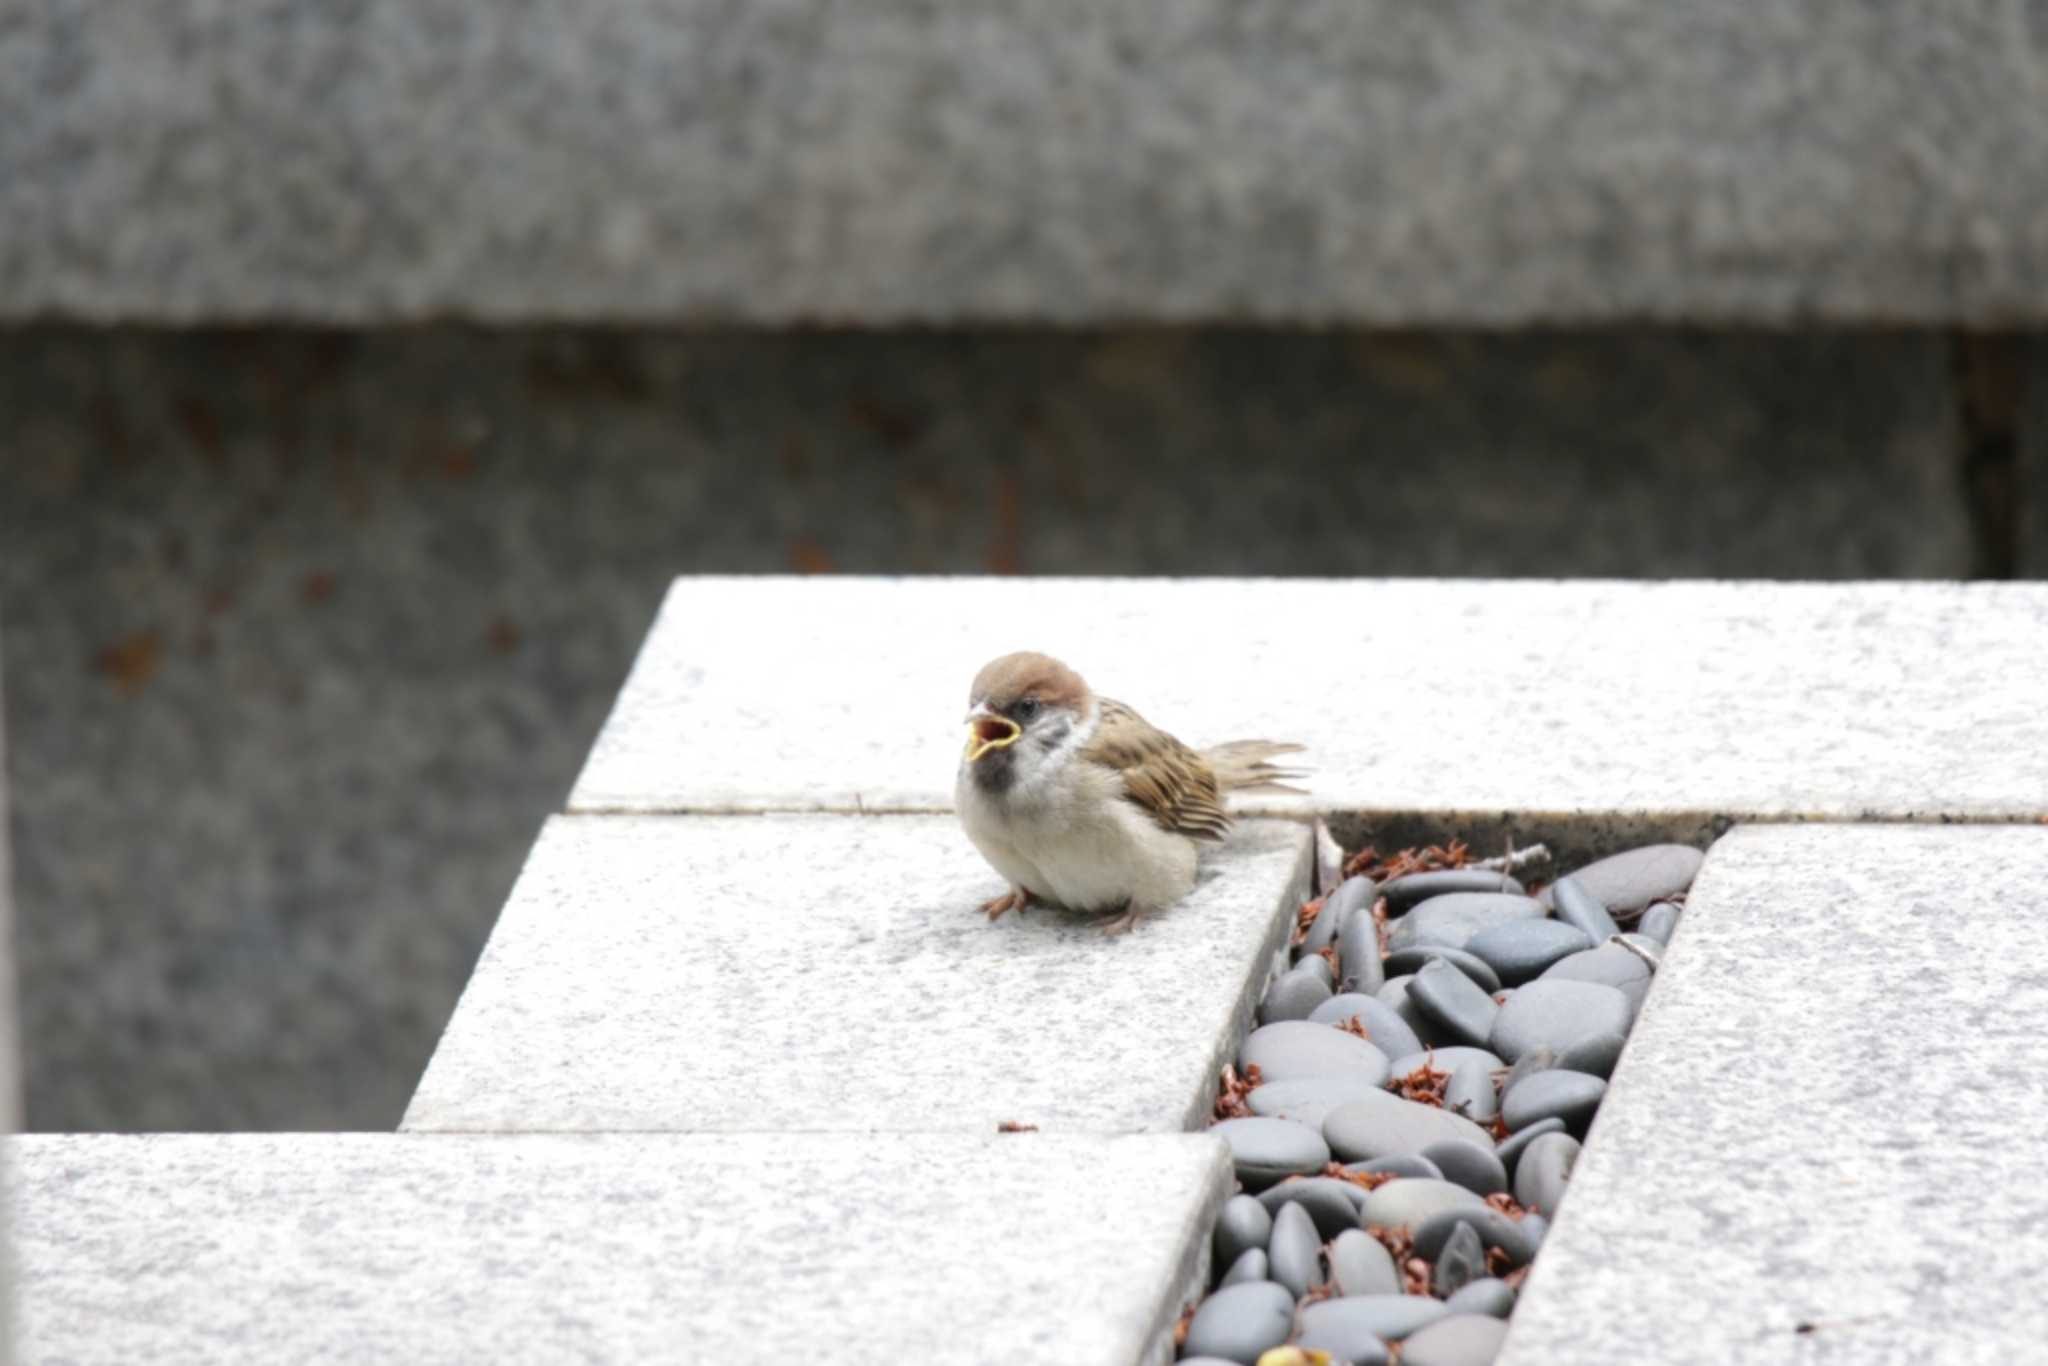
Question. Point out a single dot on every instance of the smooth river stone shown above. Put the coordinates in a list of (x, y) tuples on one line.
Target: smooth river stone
[(1295, 1254), (1511, 1148), (1361, 1266), (1265, 1150), (1659, 922), (1557, 1016), (1242, 1224), (1569, 1096), (1532, 1060), (1351, 892), (1492, 1296), (1493, 1228), (1474, 1166), (1394, 996), (1411, 960), (1388, 1318), (1579, 908), (1410, 1200), (1318, 967), (1456, 1340), (1306, 1100), (1358, 953), (1460, 1260), (1610, 965), (1252, 1266), (1447, 1059), (1451, 920), (1595, 1056), (1293, 996), (1470, 1093), (1404, 892), (1399, 1164), (1331, 1204), (1239, 1322), (1454, 1003), (1383, 1025), (1521, 949), (1383, 1124), (1544, 1171), (1296, 1048), (1629, 881)]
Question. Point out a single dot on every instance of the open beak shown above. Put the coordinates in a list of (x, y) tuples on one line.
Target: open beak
[(987, 732)]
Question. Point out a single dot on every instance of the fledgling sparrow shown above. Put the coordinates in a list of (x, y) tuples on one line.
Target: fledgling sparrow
[(1081, 803)]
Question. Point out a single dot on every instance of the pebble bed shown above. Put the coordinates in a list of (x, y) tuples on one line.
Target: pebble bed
[(1404, 1117)]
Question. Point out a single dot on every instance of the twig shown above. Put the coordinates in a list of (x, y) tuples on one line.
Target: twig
[(1515, 860)]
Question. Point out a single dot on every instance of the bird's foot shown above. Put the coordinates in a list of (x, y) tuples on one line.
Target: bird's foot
[(1016, 899), (1127, 921)]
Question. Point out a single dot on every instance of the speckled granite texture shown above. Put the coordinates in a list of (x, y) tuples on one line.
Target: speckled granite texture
[(1822, 1143), (832, 973), (212, 1250), (1077, 160), (1799, 701)]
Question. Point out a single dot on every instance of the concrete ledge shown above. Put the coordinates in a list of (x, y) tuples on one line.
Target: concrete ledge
[(276, 1248), (1631, 700), (891, 161), (1826, 1116), (833, 973)]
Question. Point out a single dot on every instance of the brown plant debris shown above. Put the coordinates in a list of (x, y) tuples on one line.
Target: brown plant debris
[(1371, 1181), (1305, 918), (1352, 1025), (1425, 1085), (1180, 1327), (1016, 1126), (1232, 1090), (131, 661), (1431, 859), (1400, 1245)]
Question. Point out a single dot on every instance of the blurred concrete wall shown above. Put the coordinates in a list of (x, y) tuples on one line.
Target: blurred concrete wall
[(308, 630)]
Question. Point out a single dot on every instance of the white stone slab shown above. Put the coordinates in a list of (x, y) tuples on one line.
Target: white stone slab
[(1750, 699), (1829, 1115), (620, 1248), (836, 973)]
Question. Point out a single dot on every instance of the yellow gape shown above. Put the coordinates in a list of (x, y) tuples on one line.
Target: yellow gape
[(987, 733)]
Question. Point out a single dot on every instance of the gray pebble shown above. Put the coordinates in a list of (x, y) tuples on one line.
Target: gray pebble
[(1492, 1296), (1318, 967), (1595, 1056), (1295, 1254), (1532, 1060), (1510, 1149), (1569, 1096), (1358, 952), (1448, 1059), (1410, 1200), (1451, 920), (1544, 1171), (1398, 1164), (1352, 892), (1556, 1016), (1659, 922), (1534, 1227), (1470, 1093), (1450, 999), (1460, 1261), (1394, 996), (1307, 1100), (1520, 950), (1293, 996), (1239, 1322), (1411, 960), (1474, 1166), (1384, 1027), (1242, 1224), (1252, 1266), (1360, 1266), (1582, 910), (1332, 1205), (1404, 892), (1265, 1150), (1490, 1226), (1629, 881), (1382, 1124), (1330, 1324), (1456, 1340), (1296, 1048)]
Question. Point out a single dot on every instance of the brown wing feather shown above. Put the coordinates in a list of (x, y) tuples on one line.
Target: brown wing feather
[(1173, 784)]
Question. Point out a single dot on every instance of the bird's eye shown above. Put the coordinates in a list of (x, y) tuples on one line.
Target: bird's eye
[(1026, 708)]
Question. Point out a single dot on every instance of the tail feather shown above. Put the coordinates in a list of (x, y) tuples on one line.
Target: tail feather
[(1242, 766)]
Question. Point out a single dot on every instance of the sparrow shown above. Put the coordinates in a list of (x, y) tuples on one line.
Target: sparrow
[(1082, 804)]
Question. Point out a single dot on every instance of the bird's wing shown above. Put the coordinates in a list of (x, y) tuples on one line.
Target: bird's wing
[(1170, 782)]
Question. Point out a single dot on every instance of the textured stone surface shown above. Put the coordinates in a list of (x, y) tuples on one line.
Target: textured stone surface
[(312, 630), (1847, 1212), (180, 1248), (820, 973), (10, 1077), (1141, 158), (1587, 697)]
